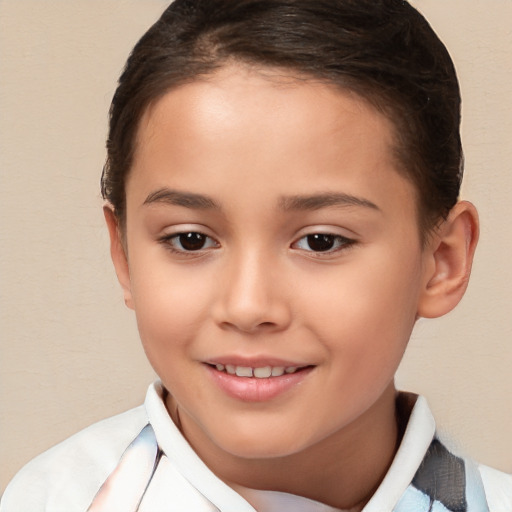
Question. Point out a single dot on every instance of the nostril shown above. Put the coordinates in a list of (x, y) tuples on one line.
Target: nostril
[(250, 327)]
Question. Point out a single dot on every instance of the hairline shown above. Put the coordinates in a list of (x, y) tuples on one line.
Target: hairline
[(381, 102)]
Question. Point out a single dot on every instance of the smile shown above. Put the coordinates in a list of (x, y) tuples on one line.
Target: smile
[(258, 383), (263, 372)]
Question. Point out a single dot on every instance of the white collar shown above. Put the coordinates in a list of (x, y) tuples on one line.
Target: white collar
[(418, 435)]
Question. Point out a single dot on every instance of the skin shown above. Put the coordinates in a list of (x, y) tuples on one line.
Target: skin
[(254, 145)]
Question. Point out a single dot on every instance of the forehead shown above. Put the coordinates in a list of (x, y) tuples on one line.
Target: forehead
[(239, 95), (272, 131)]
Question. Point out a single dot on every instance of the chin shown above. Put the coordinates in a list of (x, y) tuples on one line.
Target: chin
[(258, 450), (263, 444)]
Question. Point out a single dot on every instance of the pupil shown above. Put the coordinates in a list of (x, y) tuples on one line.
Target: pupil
[(192, 241), (320, 242)]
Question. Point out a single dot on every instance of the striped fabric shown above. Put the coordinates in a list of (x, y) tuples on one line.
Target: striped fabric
[(440, 484), (139, 461)]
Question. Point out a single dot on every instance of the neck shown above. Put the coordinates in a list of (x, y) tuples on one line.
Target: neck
[(342, 471)]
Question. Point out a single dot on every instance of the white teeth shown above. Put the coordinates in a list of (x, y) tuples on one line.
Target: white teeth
[(262, 373), (277, 371), (243, 371)]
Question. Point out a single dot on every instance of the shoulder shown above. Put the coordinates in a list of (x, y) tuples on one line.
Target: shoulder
[(74, 469), (439, 472), (498, 488)]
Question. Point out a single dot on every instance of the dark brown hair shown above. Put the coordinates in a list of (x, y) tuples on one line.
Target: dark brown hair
[(383, 50)]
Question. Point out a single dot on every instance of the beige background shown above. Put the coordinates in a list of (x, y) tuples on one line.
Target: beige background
[(70, 353)]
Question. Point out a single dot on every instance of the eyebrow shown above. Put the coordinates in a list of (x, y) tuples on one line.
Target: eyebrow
[(185, 199), (286, 203), (318, 201)]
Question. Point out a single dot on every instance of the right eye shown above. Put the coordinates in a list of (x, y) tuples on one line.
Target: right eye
[(324, 243), (190, 241)]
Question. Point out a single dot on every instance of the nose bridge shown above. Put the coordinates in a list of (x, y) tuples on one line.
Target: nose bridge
[(252, 292)]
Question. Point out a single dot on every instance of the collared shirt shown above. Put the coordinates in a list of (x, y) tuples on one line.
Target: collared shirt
[(139, 461)]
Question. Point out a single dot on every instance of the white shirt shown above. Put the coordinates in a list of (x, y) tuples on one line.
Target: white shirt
[(139, 461)]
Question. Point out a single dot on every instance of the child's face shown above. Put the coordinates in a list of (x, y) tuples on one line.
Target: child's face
[(303, 251)]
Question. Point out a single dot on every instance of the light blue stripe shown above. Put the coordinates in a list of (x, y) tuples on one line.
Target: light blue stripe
[(412, 499), (475, 493)]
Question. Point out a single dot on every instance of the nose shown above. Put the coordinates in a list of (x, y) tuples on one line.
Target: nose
[(253, 295)]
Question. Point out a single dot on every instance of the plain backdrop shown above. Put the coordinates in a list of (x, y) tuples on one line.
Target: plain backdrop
[(70, 353)]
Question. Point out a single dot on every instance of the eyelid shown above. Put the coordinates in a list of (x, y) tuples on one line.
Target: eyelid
[(179, 229), (327, 229)]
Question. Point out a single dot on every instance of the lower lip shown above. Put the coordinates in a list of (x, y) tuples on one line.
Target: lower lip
[(252, 389)]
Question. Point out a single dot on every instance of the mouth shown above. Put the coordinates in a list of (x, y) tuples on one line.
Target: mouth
[(260, 372), (258, 383)]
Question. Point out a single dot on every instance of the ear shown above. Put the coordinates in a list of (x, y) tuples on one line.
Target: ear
[(118, 254), (449, 257)]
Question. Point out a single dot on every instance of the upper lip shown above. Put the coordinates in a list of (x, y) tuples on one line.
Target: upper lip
[(255, 362)]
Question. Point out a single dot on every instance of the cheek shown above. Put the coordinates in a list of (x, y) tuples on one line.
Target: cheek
[(170, 304), (364, 315)]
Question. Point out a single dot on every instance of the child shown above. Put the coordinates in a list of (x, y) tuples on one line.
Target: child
[(281, 195)]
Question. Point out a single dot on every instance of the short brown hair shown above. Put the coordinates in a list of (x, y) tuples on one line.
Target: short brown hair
[(383, 50)]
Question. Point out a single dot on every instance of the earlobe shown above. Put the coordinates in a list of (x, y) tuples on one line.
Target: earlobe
[(118, 254), (449, 260)]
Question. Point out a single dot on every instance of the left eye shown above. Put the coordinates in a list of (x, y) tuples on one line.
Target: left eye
[(190, 241), (320, 242)]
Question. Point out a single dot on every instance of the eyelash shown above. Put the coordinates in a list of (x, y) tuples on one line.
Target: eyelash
[(332, 243), (169, 242), (339, 243)]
